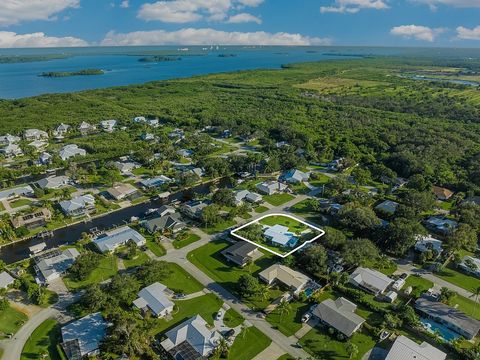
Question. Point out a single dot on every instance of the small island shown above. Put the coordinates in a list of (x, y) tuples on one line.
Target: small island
[(72, 73), (13, 59), (158, 58), (226, 55)]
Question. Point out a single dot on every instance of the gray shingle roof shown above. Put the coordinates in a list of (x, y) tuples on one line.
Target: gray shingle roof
[(405, 349), (339, 314), (155, 298)]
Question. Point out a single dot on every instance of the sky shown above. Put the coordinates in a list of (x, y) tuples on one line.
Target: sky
[(59, 23)]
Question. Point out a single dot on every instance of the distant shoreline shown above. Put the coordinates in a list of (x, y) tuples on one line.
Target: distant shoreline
[(85, 72)]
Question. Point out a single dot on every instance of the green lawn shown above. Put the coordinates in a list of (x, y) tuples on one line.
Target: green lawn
[(232, 318), (181, 281), (454, 276), (303, 207), (105, 270), (467, 305), (261, 209), (278, 199), (155, 247), (140, 259), (319, 343), (2, 208), (21, 202), (293, 225), (183, 240), (290, 322), (11, 320), (418, 284), (44, 340), (248, 344), (320, 180), (219, 227), (385, 266), (206, 306), (286, 357)]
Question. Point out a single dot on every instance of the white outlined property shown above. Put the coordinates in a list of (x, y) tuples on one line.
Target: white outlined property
[(283, 255)]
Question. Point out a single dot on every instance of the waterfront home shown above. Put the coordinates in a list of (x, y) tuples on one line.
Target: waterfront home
[(193, 209), (168, 222), (294, 280), (154, 299), (295, 176), (155, 182), (192, 339), (369, 280), (11, 150), (53, 182), (35, 134), (8, 139), (387, 207), (121, 191), (281, 236), (108, 125), (8, 194), (242, 253), (441, 193), (450, 317), (5, 280), (33, 220), (340, 315), (85, 128), (82, 338), (78, 206), (52, 264), (111, 240), (69, 151), (271, 187), (440, 225), (405, 349), (470, 265), (427, 242)]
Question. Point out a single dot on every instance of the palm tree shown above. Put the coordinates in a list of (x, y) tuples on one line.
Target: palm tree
[(283, 308), (222, 348), (352, 349), (476, 295), (264, 292)]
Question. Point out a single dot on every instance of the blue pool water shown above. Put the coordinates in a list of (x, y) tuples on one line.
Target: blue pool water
[(445, 333)]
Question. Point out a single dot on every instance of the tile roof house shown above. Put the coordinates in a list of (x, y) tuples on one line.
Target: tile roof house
[(108, 125), (11, 150), (241, 253), (78, 206), (192, 339), (295, 176), (5, 280), (369, 280), (125, 167), (53, 182), (38, 144), (52, 264), (34, 220), (8, 139), (388, 207), (405, 349), (280, 235), (35, 134), (71, 150), (122, 191), (121, 236), (15, 192), (154, 298), (171, 221), (442, 193), (427, 242), (270, 187), (85, 128), (61, 130), (295, 280), (82, 338), (339, 314), (452, 318)]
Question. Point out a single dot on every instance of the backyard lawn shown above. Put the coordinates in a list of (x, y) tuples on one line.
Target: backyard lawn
[(290, 322), (278, 199), (418, 284), (181, 281), (454, 276), (293, 225), (44, 340), (261, 209), (466, 305), (232, 318), (105, 270), (219, 227), (21, 202), (185, 239), (154, 246), (140, 259), (11, 320), (303, 207), (248, 344)]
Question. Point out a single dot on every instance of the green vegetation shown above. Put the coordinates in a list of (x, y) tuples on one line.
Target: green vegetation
[(12, 59), (179, 280), (419, 285), (107, 267), (44, 340), (155, 247), (232, 318), (159, 58), (293, 225), (249, 344), (261, 209), (139, 259), (290, 321), (11, 320), (219, 227), (21, 202), (185, 239), (278, 199), (84, 72), (454, 276)]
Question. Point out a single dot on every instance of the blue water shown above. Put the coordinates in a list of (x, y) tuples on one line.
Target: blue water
[(123, 68), (445, 333)]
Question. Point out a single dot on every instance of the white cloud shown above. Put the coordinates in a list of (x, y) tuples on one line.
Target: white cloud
[(243, 18), (16, 11), (185, 11), (124, 4), (417, 32), (207, 36), (10, 39), (468, 34), (457, 3), (354, 6)]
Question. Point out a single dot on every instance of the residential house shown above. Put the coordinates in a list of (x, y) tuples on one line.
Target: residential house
[(125, 167), (53, 182), (192, 339), (154, 299), (369, 280), (45, 158), (281, 144), (387, 207), (450, 317), (111, 240), (139, 119), (39, 145), (427, 242), (149, 121), (69, 151), (52, 264), (61, 130), (442, 193), (390, 296), (11, 193), (470, 265), (295, 176), (155, 182), (34, 220), (242, 253), (280, 235), (330, 207), (82, 338), (271, 187), (147, 137), (35, 134), (199, 172), (8, 140), (340, 315), (295, 280), (193, 209), (11, 150), (185, 153), (5, 280), (122, 191), (176, 133), (78, 206), (405, 349), (473, 200), (108, 125), (245, 195), (171, 222), (440, 225), (85, 128)]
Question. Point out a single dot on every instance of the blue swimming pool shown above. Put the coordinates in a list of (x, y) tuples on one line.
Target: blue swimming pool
[(445, 333)]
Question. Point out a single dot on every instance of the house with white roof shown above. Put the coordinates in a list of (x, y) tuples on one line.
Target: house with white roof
[(245, 195), (78, 206), (39, 145), (53, 182), (5, 280), (193, 209), (11, 150), (45, 158), (147, 137), (111, 240), (387, 207), (154, 299), (441, 225), (61, 130), (85, 128), (8, 139), (125, 167), (108, 125), (340, 315), (369, 280), (280, 235), (270, 187), (72, 150), (52, 264), (295, 280), (7, 194), (295, 176), (470, 265), (155, 182), (192, 339), (35, 134), (186, 153), (405, 349), (427, 242), (82, 338)]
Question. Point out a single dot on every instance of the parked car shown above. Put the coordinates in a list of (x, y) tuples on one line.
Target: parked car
[(230, 333), (219, 315), (306, 317)]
